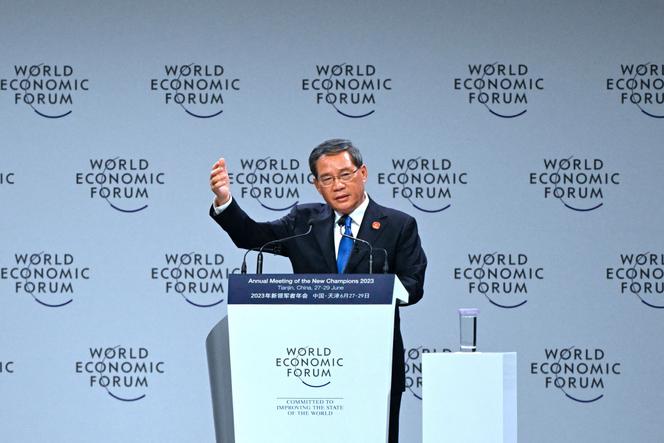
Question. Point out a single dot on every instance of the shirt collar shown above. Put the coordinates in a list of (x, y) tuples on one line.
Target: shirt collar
[(358, 214)]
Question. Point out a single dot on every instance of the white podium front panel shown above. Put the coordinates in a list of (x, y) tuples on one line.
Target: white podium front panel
[(469, 398), (314, 366)]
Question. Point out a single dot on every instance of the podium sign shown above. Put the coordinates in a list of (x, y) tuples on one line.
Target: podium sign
[(311, 356)]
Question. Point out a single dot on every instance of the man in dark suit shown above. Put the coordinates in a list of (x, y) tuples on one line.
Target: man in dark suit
[(340, 177)]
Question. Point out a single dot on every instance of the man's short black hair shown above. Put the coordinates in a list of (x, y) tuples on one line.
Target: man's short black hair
[(331, 147)]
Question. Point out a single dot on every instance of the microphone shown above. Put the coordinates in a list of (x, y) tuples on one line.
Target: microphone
[(341, 223), (276, 249), (259, 259), (243, 268), (385, 265)]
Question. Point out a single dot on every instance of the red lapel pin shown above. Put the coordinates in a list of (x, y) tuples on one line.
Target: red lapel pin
[(375, 225)]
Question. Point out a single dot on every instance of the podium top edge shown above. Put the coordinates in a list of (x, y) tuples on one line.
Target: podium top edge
[(311, 289)]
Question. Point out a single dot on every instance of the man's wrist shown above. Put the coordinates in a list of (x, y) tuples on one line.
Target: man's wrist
[(219, 208)]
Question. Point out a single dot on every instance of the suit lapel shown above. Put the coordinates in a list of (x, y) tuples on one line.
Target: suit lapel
[(372, 227), (324, 233)]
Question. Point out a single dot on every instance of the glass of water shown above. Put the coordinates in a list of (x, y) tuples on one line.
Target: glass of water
[(468, 329)]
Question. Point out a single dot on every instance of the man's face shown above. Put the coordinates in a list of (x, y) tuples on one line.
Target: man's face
[(342, 196)]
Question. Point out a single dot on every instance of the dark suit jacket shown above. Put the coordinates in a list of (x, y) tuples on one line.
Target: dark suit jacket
[(394, 231)]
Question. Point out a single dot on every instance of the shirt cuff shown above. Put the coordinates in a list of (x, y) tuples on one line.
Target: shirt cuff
[(219, 209)]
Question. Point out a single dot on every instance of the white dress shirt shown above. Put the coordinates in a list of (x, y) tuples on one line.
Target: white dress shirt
[(357, 215)]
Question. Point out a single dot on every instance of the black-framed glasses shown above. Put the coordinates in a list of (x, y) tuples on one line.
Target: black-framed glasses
[(344, 177)]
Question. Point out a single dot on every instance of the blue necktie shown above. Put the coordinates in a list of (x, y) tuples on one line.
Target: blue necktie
[(345, 246)]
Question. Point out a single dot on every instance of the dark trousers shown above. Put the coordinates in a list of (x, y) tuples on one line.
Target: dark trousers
[(395, 404)]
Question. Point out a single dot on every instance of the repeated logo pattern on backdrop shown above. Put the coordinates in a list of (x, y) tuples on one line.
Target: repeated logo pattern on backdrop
[(428, 184), (580, 374), (50, 90), (504, 279), (533, 171), (125, 373), (640, 86), (199, 90), (274, 183), (639, 275), (505, 90), (352, 91), (124, 183), (50, 279), (580, 184), (200, 279)]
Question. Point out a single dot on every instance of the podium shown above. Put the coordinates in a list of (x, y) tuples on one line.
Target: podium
[(469, 397), (303, 358)]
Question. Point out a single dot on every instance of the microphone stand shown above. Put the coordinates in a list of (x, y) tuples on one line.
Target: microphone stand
[(259, 258), (364, 242)]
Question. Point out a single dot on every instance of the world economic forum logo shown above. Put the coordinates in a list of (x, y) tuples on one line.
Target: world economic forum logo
[(641, 275), (314, 367), (580, 184), (640, 86), (197, 89), (124, 183), (124, 373), (48, 89), (505, 90), (503, 279), (197, 277), (580, 374), (276, 183), (428, 184), (50, 278), (351, 90)]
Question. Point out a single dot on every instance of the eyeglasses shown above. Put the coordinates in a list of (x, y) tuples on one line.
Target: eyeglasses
[(344, 177)]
